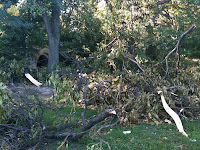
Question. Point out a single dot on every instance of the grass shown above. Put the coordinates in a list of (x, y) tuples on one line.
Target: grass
[(142, 137), (153, 137)]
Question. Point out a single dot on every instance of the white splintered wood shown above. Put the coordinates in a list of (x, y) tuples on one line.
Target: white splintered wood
[(175, 117), (35, 82), (113, 112)]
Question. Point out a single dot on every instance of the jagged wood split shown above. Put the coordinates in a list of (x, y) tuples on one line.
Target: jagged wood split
[(34, 81), (175, 117)]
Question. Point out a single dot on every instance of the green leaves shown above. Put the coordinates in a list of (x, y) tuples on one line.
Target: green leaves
[(65, 90), (4, 97)]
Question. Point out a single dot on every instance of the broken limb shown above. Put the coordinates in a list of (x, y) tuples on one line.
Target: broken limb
[(176, 49), (28, 76), (175, 117), (108, 126), (86, 127), (35, 82)]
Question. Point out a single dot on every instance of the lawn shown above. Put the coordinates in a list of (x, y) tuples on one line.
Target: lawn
[(142, 137)]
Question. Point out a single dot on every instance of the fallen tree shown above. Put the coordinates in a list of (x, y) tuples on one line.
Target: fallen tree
[(25, 124), (132, 94)]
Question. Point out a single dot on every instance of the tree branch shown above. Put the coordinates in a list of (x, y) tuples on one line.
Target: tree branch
[(108, 126), (86, 127), (177, 50), (138, 65), (162, 2)]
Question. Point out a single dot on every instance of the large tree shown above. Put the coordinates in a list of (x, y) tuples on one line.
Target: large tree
[(52, 25), (50, 12)]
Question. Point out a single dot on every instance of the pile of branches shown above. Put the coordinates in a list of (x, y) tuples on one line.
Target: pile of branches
[(134, 94), (25, 126)]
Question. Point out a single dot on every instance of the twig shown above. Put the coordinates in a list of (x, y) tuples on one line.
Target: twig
[(34, 147), (17, 129), (109, 45), (99, 87), (107, 126), (138, 65)]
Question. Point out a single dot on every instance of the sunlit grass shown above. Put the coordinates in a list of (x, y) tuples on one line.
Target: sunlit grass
[(163, 136), (142, 137)]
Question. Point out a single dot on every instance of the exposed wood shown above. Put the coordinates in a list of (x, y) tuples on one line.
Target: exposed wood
[(175, 117), (34, 81)]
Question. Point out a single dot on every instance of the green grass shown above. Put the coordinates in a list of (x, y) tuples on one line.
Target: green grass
[(153, 137), (142, 137), (50, 115)]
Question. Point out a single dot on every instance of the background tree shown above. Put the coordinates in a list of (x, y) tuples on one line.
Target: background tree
[(80, 30), (50, 12)]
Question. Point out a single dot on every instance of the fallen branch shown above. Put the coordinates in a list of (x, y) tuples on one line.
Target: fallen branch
[(175, 117), (176, 49), (86, 127), (179, 41)]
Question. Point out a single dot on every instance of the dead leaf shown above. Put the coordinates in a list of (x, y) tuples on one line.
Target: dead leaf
[(132, 139), (164, 138)]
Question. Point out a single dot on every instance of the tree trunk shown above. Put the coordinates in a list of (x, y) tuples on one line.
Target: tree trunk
[(53, 30), (53, 58)]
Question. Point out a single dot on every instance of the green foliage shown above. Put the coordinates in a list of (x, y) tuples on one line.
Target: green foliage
[(135, 94), (190, 46), (142, 30), (14, 29), (4, 97), (80, 32), (65, 89), (25, 114), (12, 71), (147, 30)]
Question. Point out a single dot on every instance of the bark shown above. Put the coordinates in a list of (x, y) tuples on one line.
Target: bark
[(162, 2), (52, 25), (85, 128)]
